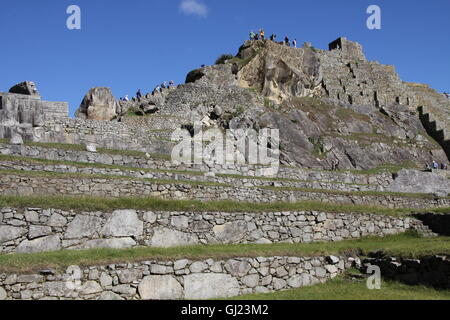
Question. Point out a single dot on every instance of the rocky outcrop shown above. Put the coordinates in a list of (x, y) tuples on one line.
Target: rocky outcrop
[(414, 181), (98, 104), (26, 88)]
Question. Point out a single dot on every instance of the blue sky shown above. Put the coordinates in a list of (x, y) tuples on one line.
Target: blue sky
[(134, 44)]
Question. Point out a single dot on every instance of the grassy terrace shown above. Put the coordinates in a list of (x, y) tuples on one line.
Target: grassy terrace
[(213, 184), (79, 147), (404, 245), (86, 204), (127, 168), (391, 168), (344, 288)]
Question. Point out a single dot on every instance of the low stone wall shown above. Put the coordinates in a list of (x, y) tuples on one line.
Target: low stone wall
[(381, 179), (429, 271), (182, 279), (239, 182), (25, 185), (35, 230)]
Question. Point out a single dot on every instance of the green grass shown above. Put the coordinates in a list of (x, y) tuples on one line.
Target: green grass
[(83, 204), (344, 288), (404, 245), (388, 167), (78, 175)]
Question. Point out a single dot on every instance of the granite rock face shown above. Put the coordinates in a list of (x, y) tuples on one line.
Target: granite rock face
[(328, 104), (98, 104)]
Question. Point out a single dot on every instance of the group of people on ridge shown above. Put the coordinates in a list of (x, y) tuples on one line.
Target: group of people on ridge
[(159, 88), (261, 35), (436, 166)]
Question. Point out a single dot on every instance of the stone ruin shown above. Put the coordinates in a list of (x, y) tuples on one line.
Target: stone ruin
[(366, 100), (23, 112)]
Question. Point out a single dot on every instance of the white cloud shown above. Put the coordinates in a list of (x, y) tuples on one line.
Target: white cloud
[(194, 7)]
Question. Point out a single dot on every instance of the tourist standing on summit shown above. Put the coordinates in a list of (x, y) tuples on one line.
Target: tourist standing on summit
[(294, 43), (252, 35), (287, 42), (139, 94), (262, 34), (273, 37)]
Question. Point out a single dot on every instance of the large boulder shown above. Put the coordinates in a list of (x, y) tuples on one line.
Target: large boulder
[(167, 238), (98, 104), (210, 286), (26, 88), (414, 181), (50, 243), (160, 288)]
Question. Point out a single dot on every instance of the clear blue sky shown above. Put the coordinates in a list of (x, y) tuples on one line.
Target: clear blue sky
[(134, 44)]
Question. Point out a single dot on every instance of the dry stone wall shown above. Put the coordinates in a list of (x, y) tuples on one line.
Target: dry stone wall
[(35, 230), (27, 185), (173, 280), (239, 182)]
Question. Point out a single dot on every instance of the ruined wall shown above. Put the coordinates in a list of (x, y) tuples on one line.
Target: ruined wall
[(24, 114)]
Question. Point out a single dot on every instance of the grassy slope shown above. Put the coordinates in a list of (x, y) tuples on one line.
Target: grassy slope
[(404, 245), (346, 289)]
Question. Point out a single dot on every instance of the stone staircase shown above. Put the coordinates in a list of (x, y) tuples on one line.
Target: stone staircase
[(437, 129)]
